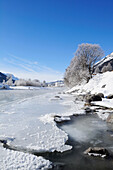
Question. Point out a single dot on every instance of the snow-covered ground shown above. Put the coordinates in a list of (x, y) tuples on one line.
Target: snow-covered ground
[(100, 83), (24, 88), (27, 123), (13, 160)]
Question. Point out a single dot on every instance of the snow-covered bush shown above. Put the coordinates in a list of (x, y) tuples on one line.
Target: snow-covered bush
[(82, 65), (29, 82)]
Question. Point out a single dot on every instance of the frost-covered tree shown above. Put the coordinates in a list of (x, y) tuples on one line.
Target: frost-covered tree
[(20, 82), (3, 82), (29, 82), (82, 65), (44, 84)]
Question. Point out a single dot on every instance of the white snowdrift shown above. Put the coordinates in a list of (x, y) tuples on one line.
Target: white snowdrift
[(19, 160), (100, 83), (27, 121)]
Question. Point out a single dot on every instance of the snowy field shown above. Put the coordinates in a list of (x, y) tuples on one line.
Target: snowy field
[(27, 124)]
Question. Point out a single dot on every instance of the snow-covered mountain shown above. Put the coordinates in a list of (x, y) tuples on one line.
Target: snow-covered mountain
[(4, 76), (100, 83), (13, 77), (105, 62), (56, 83)]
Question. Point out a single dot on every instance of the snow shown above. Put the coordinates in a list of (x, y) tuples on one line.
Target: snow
[(104, 60), (95, 85), (105, 103), (24, 87), (19, 160), (100, 83), (13, 77), (27, 122), (102, 115), (62, 118), (2, 86), (96, 154)]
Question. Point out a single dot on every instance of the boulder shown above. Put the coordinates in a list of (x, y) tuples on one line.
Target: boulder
[(58, 97), (61, 119), (110, 96), (101, 95), (93, 97), (104, 86), (97, 151)]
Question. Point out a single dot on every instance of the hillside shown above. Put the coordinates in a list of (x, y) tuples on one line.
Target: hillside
[(4, 76), (105, 62), (100, 83)]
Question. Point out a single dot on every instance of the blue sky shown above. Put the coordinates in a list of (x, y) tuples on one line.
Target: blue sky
[(38, 38)]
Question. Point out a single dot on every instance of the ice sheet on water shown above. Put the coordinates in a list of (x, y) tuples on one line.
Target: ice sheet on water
[(25, 126), (32, 125)]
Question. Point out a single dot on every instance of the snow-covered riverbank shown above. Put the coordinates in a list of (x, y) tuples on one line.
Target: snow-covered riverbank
[(28, 119)]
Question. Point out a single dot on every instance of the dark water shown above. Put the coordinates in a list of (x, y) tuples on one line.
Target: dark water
[(96, 133)]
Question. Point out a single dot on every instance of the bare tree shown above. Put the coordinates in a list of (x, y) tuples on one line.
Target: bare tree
[(82, 65)]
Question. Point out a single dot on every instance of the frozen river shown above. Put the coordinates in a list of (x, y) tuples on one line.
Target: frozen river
[(27, 121), (28, 127)]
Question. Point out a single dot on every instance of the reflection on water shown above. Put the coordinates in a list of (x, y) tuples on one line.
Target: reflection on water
[(85, 131)]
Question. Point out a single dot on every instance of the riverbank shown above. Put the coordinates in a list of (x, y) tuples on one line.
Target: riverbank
[(33, 122)]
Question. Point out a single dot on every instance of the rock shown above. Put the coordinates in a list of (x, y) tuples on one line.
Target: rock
[(88, 110), (80, 97), (104, 86), (97, 151), (110, 119), (90, 98), (110, 96), (60, 119), (101, 95), (58, 97), (3, 141)]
